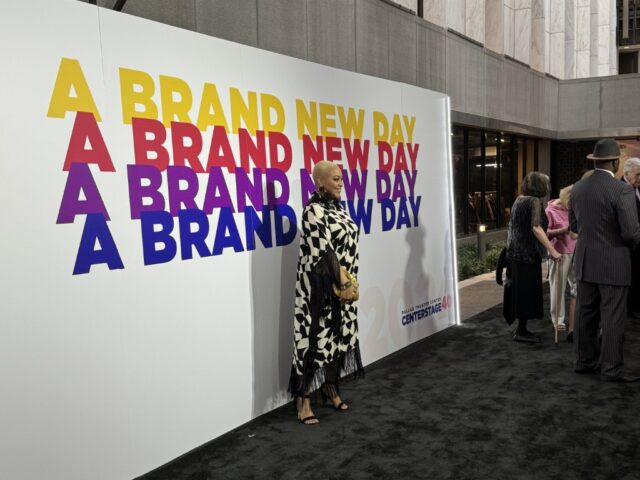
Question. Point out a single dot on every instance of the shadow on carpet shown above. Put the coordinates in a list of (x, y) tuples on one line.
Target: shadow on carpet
[(466, 403)]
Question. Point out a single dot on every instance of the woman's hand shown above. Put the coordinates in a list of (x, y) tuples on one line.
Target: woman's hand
[(349, 294), (542, 238), (555, 256), (344, 276), (348, 290)]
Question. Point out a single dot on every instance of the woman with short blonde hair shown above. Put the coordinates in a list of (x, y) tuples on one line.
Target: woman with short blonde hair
[(561, 272), (326, 343)]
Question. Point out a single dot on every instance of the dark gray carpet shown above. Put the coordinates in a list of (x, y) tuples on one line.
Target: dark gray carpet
[(466, 403)]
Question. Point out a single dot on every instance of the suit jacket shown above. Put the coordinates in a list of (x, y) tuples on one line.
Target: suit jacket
[(602, 212), (634, 194)]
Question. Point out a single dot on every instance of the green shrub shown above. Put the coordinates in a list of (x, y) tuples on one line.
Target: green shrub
[(470, 265), (493, 252)]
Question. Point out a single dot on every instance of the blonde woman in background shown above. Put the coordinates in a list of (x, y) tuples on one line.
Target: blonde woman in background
[(561, 271)]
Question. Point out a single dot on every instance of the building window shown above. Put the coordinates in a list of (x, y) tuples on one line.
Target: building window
[(475, 159), (488, 168), (519, 153), (632, 17), (491, 162), (459, 178), (508, 177)]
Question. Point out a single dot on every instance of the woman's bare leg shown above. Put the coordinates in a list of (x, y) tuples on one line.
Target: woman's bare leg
[(303, 405), (330, 387)]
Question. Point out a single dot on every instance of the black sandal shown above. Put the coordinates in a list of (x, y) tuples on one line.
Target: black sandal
[(305, 420), (328, 391)]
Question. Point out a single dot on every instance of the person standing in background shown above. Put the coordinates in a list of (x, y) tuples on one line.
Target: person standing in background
[(631, 175), (602, 213), (559, 236), (527, 244)]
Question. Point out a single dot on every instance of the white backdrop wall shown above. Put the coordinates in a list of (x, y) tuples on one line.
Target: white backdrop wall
[(109, 372)]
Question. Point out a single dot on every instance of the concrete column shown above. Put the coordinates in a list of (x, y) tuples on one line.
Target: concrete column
[(583, 38), (435, 12), (593, 44), (544, 156), (538, 40), (508, 24), (474, 19), (570, 38), (604, 20), (557, 36), (613, 49), (456, 15), (522, 25), (547, 33), (494, 30)]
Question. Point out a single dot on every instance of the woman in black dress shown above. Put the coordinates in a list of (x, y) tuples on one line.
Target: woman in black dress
[(527, 244), (325, 322)]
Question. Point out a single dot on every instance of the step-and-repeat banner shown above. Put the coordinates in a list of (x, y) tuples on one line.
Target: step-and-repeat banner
[(151, 185)]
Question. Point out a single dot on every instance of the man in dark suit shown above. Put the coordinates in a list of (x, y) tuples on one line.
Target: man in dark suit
[(602, 213), (631, 175)]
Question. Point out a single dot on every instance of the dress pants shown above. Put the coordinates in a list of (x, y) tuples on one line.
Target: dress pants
[(565, 266), (600, 306)]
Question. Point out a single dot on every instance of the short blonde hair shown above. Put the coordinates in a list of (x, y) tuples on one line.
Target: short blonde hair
[(322, 169), (565, 194)]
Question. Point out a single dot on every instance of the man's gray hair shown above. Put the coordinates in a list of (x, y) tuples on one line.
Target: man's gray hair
[(630, 163)]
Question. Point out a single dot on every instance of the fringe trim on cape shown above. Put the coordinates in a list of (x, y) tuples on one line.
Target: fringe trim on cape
[(350, 369)]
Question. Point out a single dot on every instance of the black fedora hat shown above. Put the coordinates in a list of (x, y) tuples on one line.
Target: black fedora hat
[(605, 149)]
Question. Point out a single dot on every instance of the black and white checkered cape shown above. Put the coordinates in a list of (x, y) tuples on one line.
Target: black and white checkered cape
[(327, 233)]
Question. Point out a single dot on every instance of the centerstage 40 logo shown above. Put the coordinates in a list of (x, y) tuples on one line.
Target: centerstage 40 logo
[(426, 309)]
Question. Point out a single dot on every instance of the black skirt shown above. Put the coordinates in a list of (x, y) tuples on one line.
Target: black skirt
[(523, 298)]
